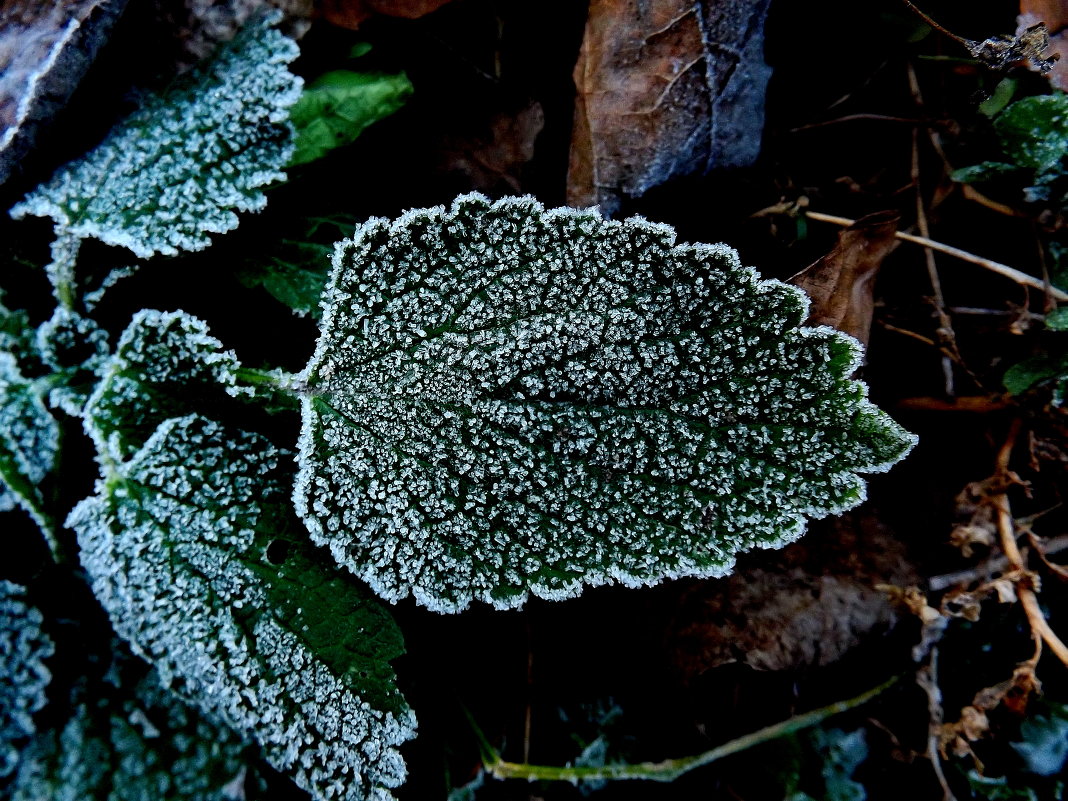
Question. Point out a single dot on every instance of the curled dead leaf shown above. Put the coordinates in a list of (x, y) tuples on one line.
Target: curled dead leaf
[(841, 284)]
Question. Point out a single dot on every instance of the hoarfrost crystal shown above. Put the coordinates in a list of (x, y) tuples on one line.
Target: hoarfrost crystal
[(508, 400)]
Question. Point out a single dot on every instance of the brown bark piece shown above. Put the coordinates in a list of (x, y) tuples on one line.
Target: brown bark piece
[(350, 13), (1055, 14), (664, 89), (802, 607), (841, 283), (45, 48)]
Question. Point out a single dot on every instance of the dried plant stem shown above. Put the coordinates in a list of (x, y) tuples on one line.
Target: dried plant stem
[(1040, 627), (993, 266), (946, 335), (927, 679), (670, 769), (997, 564)]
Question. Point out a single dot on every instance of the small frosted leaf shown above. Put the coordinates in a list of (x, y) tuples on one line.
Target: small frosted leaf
[(191, 549), (24, 647), (507, 400), (131, 744), (29, 440), (183, 165), (165, 362)]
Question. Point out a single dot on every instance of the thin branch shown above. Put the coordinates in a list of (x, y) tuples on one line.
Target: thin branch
[(935, 25), (927, 679), (1007, 535), (997, 564), (670, 769), (993, 266)]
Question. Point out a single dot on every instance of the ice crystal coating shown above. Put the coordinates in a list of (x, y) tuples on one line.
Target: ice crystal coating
[(144, 745), (24, 647), (165, 362), (507, 400), (192, 550), (183, 165), (29, 439)]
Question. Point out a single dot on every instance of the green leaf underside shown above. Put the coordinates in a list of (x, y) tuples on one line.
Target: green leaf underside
[(507, 400), (29, 440), (165, 364), (178, 545), (183, 165), (139, 745), (336, 108)]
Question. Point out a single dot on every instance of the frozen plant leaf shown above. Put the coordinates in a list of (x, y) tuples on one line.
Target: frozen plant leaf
[(190, 547), (338, 106), (1044, 747), (29, 440), (295, 269), (164, 364), (506, 400), (139, 745), (1034, 131), (24, 647), (183, 165)]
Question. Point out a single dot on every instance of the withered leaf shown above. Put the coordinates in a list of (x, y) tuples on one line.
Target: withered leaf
[(45, 49), (664, 89), (1054, 13), (841, 283)]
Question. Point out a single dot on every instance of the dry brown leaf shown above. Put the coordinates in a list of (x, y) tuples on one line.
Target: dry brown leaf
[(664, 89), (841, 284), (1055, 14), (45, 49), (978, 531), (959, 603), (804, 606), (350, 13), (493, 162)]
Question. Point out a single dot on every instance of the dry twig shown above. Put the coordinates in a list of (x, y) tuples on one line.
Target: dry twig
[(997, 267)]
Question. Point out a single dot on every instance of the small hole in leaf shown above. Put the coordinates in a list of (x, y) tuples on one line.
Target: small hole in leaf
[(278, 552)]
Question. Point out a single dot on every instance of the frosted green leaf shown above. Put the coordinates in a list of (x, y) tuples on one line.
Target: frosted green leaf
[(192, 550), (183, 165), (165, 363), (1034, 131), (24, 647), (143, 745), (506, 400), (29, 440), (338, 106)]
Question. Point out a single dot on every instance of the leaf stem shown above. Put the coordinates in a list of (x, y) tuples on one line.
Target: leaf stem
[(670, 769), (993, 266)]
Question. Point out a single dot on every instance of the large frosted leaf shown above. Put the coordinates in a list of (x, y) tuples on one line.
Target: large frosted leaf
[(24, 647), (506, 400), (190, 548), (183, 165)]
